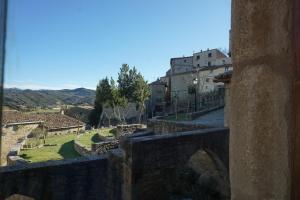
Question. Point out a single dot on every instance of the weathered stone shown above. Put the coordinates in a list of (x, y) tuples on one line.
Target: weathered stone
[(262, 119)]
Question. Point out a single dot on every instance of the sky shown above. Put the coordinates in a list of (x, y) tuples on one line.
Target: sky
[(66, 44)]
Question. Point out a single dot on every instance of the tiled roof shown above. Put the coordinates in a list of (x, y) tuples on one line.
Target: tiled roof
[(51, 120)]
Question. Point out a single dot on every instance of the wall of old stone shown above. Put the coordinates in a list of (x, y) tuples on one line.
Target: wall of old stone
[(11, 136), (75, 179), (150, 162), (81, 149), (142, 165), (261, 115), (158, 126), (103, 147)]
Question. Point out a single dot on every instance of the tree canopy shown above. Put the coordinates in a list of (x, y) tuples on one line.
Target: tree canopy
[(131, 87)]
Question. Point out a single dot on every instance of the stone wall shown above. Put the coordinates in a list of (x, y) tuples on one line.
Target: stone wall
[(65, 131), (150, 162), (96, 148), (11, 136), (262, 118), (75, 179), (81, 149), (128, 129), (104, 147), (159, 126), (138, 170)]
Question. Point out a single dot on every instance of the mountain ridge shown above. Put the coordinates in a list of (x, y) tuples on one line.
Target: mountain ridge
[(16, 98)]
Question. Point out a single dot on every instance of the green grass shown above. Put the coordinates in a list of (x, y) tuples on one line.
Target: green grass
[(88, 138), (64, 149), (180, 117)]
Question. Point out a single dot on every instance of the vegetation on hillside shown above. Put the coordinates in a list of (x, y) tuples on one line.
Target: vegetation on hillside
[(16, 98)]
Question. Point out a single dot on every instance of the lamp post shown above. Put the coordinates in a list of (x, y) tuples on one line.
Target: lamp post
[(195, 83), (166, 98)]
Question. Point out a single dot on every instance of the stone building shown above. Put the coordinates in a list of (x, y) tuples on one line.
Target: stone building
[(18, 125), (180, 82), (212, 57), (202, 66), (157, 101)]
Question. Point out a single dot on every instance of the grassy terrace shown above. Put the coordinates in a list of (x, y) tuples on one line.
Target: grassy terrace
[(91, 137), (60, 147)]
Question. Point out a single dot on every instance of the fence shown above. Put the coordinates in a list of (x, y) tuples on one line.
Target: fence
[(201, 102)]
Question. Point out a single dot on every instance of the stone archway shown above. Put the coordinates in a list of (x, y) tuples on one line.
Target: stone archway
[(204, 176)]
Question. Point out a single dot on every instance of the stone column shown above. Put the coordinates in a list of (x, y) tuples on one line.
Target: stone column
[(296, 155), (262, 94)]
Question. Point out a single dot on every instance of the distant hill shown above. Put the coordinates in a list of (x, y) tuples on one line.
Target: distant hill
[(16, 98)]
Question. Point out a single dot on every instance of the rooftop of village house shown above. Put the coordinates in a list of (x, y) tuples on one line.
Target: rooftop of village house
[(51, 120)]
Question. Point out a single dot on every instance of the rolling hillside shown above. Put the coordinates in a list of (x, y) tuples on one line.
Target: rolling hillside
[(16, 98)]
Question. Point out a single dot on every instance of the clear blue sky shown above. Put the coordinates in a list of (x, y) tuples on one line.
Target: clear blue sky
[(74, 43)]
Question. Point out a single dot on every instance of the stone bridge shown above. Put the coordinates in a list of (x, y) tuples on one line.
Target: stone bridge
[(138, 170)]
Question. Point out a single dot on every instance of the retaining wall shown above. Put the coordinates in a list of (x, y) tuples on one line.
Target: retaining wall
[(159, 126), (81, 149)]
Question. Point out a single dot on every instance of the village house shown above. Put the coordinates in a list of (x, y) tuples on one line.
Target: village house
[(196, 71), (157, 101), (18, 125)]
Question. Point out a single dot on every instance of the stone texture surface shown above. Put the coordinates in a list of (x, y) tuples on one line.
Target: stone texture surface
[(144, 164), (296, 169), (150, 162), (158, 126), (262, 119), (81, 149), (76, 179)]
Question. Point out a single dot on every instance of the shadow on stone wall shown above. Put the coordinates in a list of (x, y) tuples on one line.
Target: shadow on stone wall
[(145, 167)]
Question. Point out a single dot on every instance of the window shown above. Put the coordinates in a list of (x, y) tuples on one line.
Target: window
[(209, 55), (198, 57), (184, 61), (209, 64), (198, 65), (207, 80)]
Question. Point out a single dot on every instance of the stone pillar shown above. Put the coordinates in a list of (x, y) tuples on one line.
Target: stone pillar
[(296, 155), (262, 94)]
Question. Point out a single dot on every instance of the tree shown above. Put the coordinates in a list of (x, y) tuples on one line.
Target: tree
[(126, 80), (141, 93), (116, 99), (103, 96)]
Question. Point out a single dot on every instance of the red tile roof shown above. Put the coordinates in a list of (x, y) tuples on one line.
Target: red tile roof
[(51, 120)]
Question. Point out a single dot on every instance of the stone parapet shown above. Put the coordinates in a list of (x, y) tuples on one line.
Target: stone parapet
[(158, 126)]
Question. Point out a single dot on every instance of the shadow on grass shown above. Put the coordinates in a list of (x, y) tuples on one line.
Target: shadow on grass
[(95, 138), (67, 150), (113, 132), (25, 156)]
